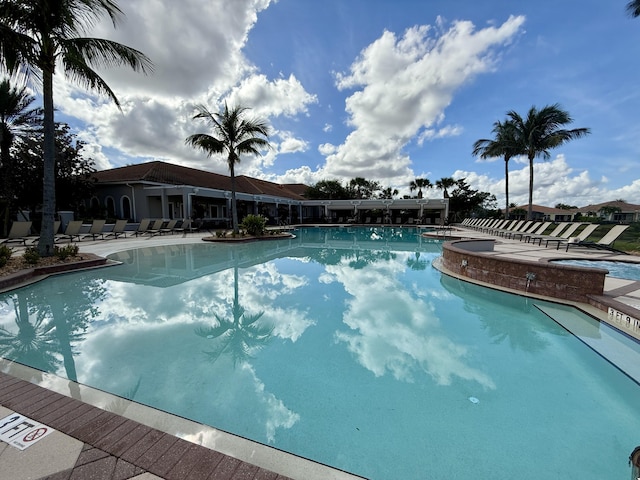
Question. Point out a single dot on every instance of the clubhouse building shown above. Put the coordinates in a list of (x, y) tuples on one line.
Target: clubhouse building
[(163, 190)]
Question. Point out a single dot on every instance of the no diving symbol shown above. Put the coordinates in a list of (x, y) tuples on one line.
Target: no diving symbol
[(35, 434)]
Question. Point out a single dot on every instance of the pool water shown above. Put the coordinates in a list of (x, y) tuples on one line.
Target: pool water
[(626, 270), (344, 346)]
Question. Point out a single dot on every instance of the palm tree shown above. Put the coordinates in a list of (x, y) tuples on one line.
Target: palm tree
[(541, 131), (505, 144), (633, 8), (389, 192), (419, 184), (444, 184), (36, 36), (16, 121), (234, 134)]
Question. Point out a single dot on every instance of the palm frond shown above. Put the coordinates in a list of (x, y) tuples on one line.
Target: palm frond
[(208, 144), (633, 8), (99, 52)]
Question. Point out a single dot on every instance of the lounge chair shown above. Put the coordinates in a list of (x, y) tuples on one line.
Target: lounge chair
[(563, 236), (513, 226), (142, 227), (605, 243), (497, 225), (523, 228), (479, 224), (155, 227), (184, 227), (554, 234), (72, 231), (95, 231), (19, 233), (537, 230), (170, 228), (118, 229), (582, 236)]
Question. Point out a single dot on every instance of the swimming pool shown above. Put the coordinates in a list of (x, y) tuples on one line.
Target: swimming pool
[(627, 270), (341, 345)]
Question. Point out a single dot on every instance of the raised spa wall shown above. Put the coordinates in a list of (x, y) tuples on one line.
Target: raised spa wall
[(469, 258)]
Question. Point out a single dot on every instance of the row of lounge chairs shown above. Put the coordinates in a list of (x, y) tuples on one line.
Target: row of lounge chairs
[(20, 231), (381, 220), (565, 234)]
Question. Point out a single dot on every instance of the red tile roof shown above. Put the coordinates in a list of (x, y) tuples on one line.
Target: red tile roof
[(170, 174)]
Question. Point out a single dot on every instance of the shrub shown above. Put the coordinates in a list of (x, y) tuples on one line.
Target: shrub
[(31, 255), (5, 255), (255, 225), (65, 252)]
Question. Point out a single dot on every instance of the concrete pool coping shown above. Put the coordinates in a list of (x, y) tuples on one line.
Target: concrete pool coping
[(101, 452)]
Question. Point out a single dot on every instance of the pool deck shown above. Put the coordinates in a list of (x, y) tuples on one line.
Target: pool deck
[(616, 290), (137, 442)]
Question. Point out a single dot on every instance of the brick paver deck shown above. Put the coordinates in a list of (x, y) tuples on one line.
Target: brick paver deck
[(116, 448)]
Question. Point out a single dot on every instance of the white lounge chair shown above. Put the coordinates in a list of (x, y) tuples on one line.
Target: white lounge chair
[(537, 230), (605, 243), (582, 236), (563, 236), (554, 234)]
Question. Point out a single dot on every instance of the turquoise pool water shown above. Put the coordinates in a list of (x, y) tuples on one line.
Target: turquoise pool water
[(344, 346), (627, 270)]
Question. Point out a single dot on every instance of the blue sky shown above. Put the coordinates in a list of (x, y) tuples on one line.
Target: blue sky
[(387, 90)]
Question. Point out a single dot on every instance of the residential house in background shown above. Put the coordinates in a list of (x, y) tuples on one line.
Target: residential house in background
[(616, 211), (548, 214)]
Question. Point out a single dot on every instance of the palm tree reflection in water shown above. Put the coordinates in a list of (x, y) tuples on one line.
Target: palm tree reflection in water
[(416, 263), (49, 325), (34, 341), (238, 337)]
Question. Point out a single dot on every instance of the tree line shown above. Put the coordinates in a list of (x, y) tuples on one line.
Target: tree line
[(21, 166), (463, 200)]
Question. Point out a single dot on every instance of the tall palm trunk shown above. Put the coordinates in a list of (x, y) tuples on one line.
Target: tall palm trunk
[(45, 245), (7, 182), (530, 211), (234, 206), (506, 187)]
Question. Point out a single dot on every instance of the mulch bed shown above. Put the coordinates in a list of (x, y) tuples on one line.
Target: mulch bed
[(17, 271)]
